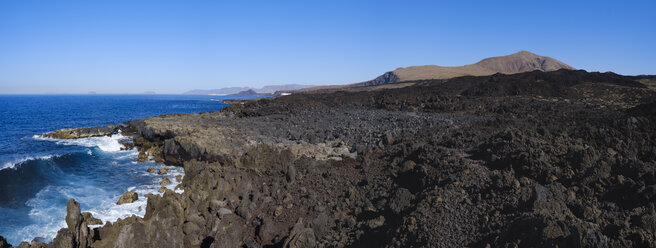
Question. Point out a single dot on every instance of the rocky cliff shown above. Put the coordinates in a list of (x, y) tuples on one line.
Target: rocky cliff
[(537, 159)]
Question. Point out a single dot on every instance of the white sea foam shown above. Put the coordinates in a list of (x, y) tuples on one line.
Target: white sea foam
[(104, 143), (100, 202), (12, 164), (110, 211)]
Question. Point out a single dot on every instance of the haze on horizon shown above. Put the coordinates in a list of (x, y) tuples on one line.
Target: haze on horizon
[(176, 46)]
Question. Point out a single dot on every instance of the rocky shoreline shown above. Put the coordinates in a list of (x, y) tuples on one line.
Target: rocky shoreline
[(537, 159)]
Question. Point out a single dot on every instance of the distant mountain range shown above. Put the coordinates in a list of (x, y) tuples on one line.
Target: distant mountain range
[(269, 89), (222, 91), (519, 62)]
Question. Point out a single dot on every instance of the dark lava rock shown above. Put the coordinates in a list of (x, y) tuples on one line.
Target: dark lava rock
[(401, 199), (300, 237), (3, 243), (84, 132)]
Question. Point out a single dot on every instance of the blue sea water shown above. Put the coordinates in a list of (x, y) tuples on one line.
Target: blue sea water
[(38, 176)]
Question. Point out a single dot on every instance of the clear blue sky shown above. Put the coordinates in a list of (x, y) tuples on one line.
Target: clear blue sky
[(174, 46)]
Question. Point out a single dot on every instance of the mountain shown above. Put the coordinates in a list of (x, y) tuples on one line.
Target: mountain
[(269, 89), (249, 92), (522, 61), (222, 91)]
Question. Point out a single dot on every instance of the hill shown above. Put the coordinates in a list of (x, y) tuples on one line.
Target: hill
[(269, 89), (522, 61), (222, 91)]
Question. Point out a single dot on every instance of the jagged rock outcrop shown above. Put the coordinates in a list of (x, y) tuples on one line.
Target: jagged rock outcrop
[(3, 243), (387, 78), (77, 233), (160, 227)]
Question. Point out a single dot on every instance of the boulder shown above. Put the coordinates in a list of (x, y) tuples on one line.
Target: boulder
[(165, 181), (278, 211), (178, 178), (128, 197), (291, 174), (401, 199), (224, 211), (320, 224), (377, 222), (269, 230), (151, 170), (162, 189), (163, 171), (389, 139), (301, 237), (142, 157)]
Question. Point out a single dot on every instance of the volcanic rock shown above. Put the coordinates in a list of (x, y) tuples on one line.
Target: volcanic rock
[(90, 220), (128, 197), (300, 237), (85, 132), (165, 181), (3, 243)]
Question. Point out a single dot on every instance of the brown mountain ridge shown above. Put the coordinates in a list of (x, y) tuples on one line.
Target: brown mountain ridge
[(519, 62)]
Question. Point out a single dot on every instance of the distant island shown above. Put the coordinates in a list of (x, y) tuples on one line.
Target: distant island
[(269, 89)]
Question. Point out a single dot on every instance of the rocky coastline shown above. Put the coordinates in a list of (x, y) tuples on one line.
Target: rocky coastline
[(537, 159)]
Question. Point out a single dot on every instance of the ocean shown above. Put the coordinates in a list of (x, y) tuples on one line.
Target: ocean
[(38, 176)]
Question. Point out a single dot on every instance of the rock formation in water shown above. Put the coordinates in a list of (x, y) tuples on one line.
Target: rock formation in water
[(84, 132), (128, 197)]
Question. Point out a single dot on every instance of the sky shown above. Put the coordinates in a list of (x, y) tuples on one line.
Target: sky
[(173, 46)]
